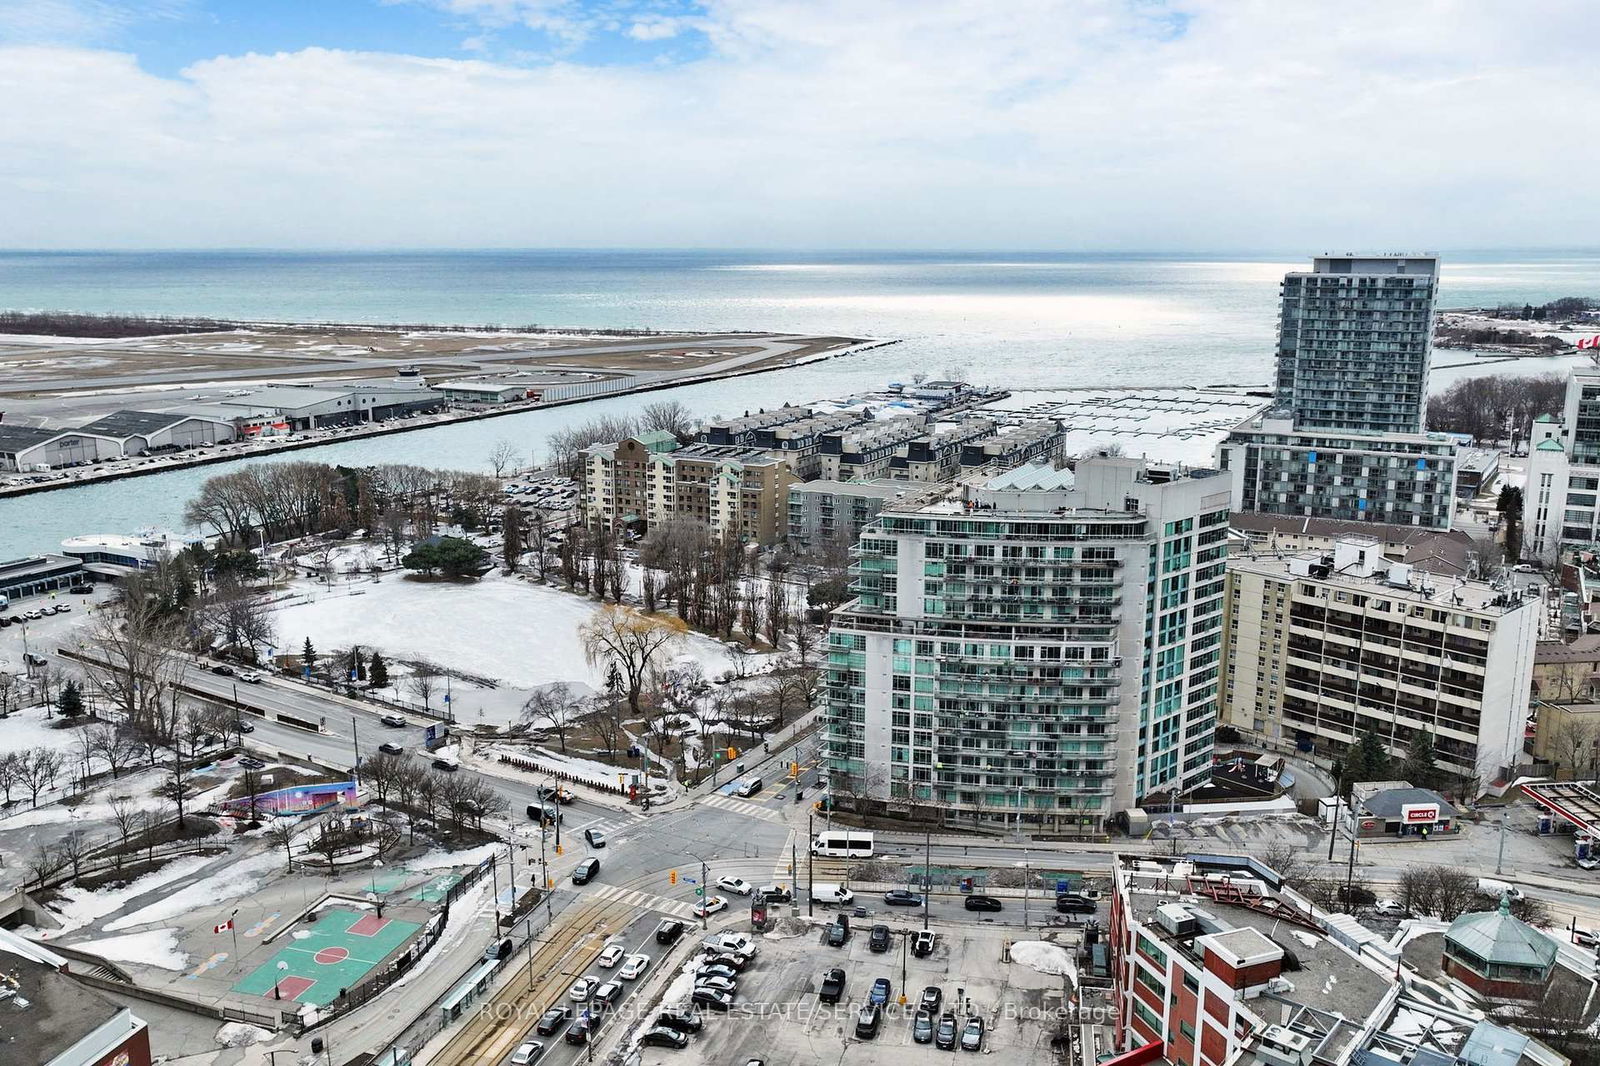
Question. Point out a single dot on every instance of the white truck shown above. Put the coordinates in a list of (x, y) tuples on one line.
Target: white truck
[(827, 892)]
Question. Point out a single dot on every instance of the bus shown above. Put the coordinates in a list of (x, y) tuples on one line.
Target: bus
[(837, 844)]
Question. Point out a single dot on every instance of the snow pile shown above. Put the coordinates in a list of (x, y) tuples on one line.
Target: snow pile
[(1045, 957), (79, 906), (788, 928), (463, 914), (155, 947), (239, 879), (677, 993), (439, 859)]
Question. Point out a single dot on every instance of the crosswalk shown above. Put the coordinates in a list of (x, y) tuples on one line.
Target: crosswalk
[(644, 900), (739, 806)]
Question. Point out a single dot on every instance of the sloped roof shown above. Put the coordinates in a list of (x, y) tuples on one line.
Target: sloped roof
[(1551, 445), (1032, 476), (123, 424), (1498, 938), (1387, 804)]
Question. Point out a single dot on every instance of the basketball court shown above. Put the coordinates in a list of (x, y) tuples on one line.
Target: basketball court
[(336, 951)]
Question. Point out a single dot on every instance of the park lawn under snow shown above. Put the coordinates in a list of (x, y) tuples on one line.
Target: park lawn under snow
[(239, 878), (520, 633), (79, 906)]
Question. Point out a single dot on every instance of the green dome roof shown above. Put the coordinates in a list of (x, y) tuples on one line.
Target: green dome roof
[(1496, 937)]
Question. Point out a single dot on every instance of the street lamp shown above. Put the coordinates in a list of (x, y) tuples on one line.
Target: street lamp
[(277, 989)]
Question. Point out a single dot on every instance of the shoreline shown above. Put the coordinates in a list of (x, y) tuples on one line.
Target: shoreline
[(383, 429)]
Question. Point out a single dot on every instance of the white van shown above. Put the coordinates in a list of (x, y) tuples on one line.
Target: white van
[(1490, 886), (825, 892), (748, 787)]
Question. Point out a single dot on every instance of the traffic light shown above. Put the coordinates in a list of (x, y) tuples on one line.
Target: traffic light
[(733, 752), (794, 769), (558, 849), (672, 878)]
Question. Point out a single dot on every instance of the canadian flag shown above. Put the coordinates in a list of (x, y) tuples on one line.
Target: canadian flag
[(1589, 342), (224, 927)]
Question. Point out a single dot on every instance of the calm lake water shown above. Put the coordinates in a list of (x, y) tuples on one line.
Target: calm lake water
[(1004, 318)]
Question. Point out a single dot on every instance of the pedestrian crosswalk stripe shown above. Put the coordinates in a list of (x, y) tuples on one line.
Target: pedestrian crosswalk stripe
[(644, 900), (749, 810), (781, 874)]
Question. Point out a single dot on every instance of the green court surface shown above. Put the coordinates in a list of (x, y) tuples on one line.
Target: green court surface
[(342, 948), (435, 890)]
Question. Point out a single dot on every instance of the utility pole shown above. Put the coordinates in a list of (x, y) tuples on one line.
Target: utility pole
[(705, 898), (811, 899), (1350, 870), (927, 874), (544, 873), (355, 744), (794, 864), (1500, 858), (1333, 830)]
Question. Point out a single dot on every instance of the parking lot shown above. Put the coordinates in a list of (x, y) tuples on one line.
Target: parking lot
[(779, 1019)]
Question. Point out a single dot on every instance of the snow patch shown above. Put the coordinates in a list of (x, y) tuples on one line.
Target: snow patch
[(241, 1034), (439, 859), (1045, 957), (79, 906), (154, 947), (239, 879)]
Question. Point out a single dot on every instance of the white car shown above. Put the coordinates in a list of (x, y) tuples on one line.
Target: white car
[(712, 905), (719, 984), (1388, 906), (582, 990), (633, 967), (612, 955), (527, 1053), (737, 885)]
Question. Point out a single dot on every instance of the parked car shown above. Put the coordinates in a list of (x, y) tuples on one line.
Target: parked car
[(738, 943), (832, 990), (554, 1020), (944, 1035), (682, 1021), (664, 1037), (972, 1035), (932, 999), (737, 885), (720, 984), (611, 954), (1071, 903), (244, 726), (922, 1027), (731, 960), (838, 933), (879, 941), (711, 999), (500, 949), (922, 944), (868, 1020), (391, 748), (1389, 906), (899, 897), (222, 669), (880, 991), (633, 966), (582, 989), (526, 1053), (982, 903), (717, 970), (394, 721)]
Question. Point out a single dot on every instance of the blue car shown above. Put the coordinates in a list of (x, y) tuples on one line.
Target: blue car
[(880, 992)]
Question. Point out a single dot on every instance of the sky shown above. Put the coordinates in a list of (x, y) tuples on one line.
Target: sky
[(1148, 125)]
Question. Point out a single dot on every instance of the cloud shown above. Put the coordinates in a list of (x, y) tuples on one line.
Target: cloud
[(655, 29), (924, 123)]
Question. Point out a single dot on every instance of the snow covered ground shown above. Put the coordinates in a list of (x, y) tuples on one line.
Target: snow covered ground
[(519, 633), (1045, 957), (79, 906), (239, 879), (29, 728), (154, 947)]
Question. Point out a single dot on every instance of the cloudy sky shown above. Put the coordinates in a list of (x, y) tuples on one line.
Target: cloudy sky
[(1050, 124)]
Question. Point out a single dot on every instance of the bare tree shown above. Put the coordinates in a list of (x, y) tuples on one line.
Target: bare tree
[(423, 683), (1418, 891), (110, 746), (635, 643), (1571, 744), (1455, 890), (555, 706), (125, 816), (8, 689), (605, 718), (44, 861), (281, 834), (75, 847), (11, 772), (672, 416), (502, 455), (132, 664), (39, 769)]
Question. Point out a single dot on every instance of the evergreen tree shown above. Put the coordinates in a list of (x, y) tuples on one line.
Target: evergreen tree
[(1418, 766), (308, 655), (1367, 759), (71, 704), (513, 539), (378, 672)]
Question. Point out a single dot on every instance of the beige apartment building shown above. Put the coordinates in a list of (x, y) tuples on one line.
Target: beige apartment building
[(735, 491), (1323, 646)]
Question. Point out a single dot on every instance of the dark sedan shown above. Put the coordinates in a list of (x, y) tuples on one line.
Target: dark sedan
[(982, 903), (899, 897)]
